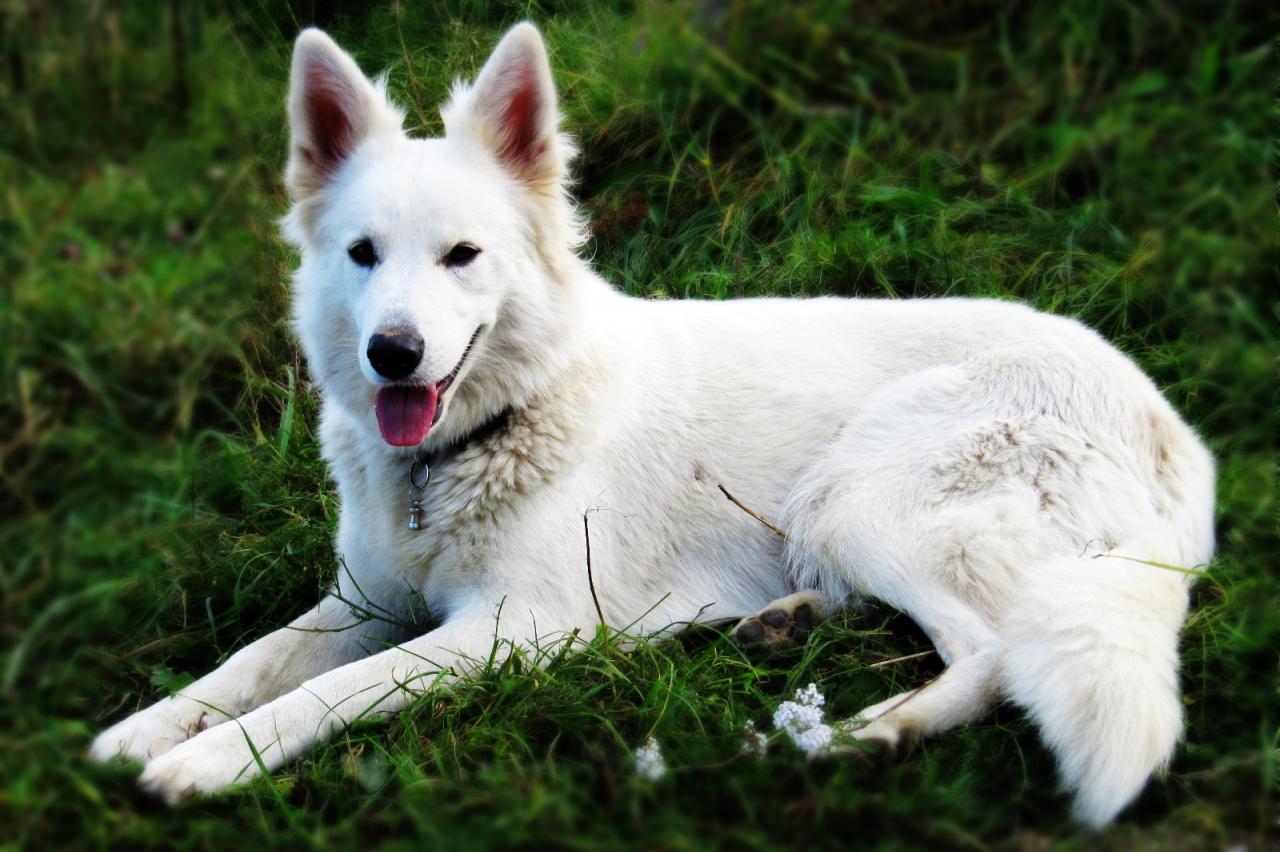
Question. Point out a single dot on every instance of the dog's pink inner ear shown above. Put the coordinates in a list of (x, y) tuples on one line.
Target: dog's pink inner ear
[(522, 118), (330, 102)]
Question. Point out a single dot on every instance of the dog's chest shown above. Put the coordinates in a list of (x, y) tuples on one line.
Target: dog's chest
[(462, 497), (398, 520)]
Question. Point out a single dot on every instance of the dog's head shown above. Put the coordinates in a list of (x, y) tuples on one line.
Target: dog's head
[(427, 263)]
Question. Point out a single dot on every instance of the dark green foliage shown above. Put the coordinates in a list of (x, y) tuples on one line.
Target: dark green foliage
[(162, 501)]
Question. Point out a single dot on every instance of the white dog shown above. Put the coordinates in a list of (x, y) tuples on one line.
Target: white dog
[(1004, 477)]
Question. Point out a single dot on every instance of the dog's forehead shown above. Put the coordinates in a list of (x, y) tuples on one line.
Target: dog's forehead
[(422, 184)]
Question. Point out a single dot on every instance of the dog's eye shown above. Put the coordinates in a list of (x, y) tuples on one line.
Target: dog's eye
[(362, 253), (461, 255)]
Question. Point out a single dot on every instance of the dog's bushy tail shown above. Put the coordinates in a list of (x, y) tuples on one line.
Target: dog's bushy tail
[(1091, 653)]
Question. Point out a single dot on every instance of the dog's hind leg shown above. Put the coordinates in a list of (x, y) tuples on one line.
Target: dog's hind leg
[(868, 552), (861, 523), (963, 693)]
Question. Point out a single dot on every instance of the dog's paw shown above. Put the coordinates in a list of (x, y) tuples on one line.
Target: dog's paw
[(150, 733), (784, 623), (886, 741), (208, 763), (876, 741)]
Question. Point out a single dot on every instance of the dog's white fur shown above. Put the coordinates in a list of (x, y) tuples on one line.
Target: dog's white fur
[(980, 466)]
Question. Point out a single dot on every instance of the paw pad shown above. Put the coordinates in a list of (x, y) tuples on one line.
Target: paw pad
[(777, 627)]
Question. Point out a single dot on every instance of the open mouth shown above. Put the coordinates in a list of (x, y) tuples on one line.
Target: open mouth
[(406, 412)]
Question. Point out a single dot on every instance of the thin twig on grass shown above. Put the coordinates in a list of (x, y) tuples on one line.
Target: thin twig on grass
[(735, 501), (586, 532), (1194, 572), (902, 659)]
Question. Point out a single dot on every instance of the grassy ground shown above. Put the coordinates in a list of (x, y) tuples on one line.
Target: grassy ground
[(162, 502)]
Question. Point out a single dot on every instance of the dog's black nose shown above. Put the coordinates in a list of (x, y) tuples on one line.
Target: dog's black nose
[(395, 355)]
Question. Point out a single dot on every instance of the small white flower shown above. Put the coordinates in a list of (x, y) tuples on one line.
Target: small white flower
[(810, 696), (802, 720), (649, 762), (815, 740), (753, 741)]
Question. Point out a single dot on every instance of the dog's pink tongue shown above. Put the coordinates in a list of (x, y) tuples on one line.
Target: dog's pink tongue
[(405, 413)]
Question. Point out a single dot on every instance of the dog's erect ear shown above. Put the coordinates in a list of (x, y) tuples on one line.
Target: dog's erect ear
[(510, 110), (333, 107)]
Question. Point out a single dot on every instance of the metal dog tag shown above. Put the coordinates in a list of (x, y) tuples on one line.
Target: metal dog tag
[(419, 476)]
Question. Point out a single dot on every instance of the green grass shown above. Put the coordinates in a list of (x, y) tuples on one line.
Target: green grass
[(162, 501)]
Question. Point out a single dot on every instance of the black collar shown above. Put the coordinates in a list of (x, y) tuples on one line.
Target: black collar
[(485, 430)]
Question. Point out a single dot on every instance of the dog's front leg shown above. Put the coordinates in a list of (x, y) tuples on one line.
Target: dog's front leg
[(330, 635), (285, 728)]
